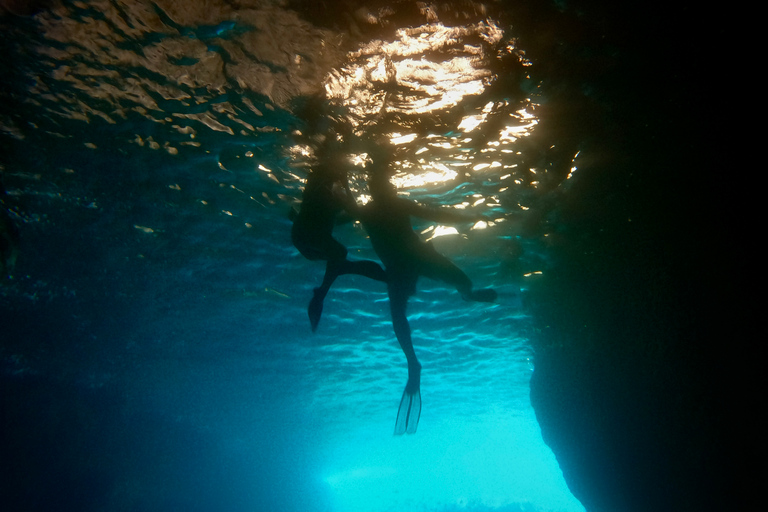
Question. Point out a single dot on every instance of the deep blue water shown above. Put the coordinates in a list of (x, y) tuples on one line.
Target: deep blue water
[(156, 351)]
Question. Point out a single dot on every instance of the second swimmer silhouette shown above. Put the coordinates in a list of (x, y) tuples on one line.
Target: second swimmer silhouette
[(324, 198)]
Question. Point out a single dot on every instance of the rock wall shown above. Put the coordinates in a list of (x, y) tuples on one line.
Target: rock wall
[(648, 356)]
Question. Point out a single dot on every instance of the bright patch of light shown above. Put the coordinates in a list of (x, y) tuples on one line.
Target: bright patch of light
[(403, 139), (524, 114), (469, 123), (497, 460), (360, 159), (430, 174), (512, 133), (443, 231), (433, 84), (486, 165), (573, 168), (299, 150)]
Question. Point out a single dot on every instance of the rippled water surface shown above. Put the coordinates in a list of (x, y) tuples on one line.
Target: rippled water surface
[(153, 152)]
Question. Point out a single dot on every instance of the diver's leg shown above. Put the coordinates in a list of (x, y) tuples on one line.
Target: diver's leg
[(397, 306), (437, 266), (410, 404), (315, 309), (335, 255), (333, 269), (366, 268)]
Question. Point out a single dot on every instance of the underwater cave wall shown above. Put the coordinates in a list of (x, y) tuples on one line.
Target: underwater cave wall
[(643, 308)]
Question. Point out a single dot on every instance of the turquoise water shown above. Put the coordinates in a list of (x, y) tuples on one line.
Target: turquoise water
[(155, 335)]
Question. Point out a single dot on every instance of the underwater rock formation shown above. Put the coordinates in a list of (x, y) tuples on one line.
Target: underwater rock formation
[(633, 389)]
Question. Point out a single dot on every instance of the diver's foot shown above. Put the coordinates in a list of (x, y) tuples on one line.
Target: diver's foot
[(482, 295), (315, 308)]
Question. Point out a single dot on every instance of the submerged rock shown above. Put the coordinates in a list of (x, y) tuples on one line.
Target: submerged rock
[(641, 320)]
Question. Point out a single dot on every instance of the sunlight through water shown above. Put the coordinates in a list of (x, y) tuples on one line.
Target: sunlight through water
[(165, 147)]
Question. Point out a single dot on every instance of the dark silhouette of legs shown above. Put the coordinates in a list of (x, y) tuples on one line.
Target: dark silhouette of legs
[(410, 404), (436, 266), (333, 269), (401, 285)]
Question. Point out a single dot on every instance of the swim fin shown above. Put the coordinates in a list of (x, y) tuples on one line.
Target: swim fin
[(315, 309), (409, 413)]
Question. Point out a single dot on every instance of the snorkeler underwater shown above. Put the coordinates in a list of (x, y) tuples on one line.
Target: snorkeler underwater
[(240, 239), (386, 220)]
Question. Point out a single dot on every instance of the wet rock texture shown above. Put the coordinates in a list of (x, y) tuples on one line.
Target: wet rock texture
[(647, 381)]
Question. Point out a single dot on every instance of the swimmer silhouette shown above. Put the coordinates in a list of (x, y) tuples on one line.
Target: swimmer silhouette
[(386, 218), (324, 198)]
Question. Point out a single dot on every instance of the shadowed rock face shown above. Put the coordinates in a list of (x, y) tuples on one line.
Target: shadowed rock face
[(632, 388)]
